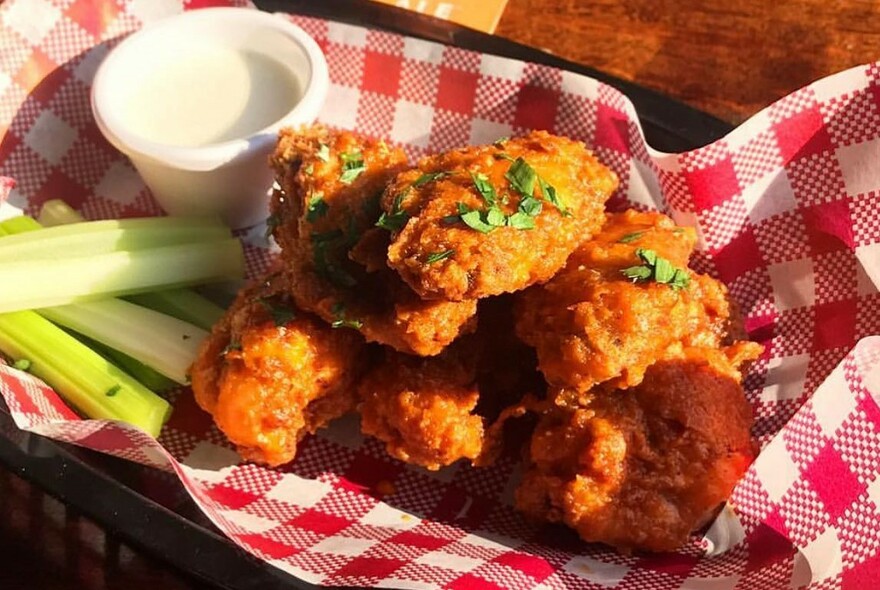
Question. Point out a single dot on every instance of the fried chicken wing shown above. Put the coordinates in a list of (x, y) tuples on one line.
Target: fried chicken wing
[(499, 217), (591, 324), (435, 411), (324, 217), (642, 468), (270, 373), (423, 408)]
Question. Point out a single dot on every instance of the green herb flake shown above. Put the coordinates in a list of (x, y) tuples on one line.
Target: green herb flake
[(323, 152), (430, 177), (548, 192), (324, 265), (500, 141), (113, 390), (530, 206), (272, 222), (281, 315), (438, 256), (658, 269), (475, 219), (485, 188), (522, 177), (22, 365), (342, 321), (233, 345), (495, 217), (629, 238), (352, 166), (395, 220), (309, 170), (317, 207), (520, 220)]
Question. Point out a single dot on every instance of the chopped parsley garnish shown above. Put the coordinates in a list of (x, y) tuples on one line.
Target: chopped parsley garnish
[(630, 237), (323, 152), (280, 315), (430, 177), (522, 177), (113, 390), (324, 265), (485, 188), (342, 321), (22, 365), (233, 345), (530, 206), (658, 269), (317, 208), (309, 169), (395, 220), (352, 166), (520, 220), (548, 191), (438, 256), (475, 219), (272, 222)]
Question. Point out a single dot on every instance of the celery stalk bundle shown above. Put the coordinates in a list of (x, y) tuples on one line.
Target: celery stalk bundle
[(69, 273)]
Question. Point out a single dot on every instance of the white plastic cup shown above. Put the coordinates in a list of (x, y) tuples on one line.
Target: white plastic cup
[(231, 178)]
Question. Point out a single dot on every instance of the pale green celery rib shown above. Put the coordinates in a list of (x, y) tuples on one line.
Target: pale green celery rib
[(85, 379), (91, 238), (69, 280), (183, 304), (166, 344), (57, 212), (143, 374)]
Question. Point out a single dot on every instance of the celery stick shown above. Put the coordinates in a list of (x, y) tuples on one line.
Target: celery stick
[(68, 280), (81, 376), (183, 304), (92, 238), (57, 212), (19, 225), (143, 374), (162, 342)]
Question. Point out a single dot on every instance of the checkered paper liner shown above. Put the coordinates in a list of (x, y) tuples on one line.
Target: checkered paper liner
[(786, 207)]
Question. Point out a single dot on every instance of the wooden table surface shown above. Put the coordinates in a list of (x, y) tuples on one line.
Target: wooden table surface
[(730, 58)]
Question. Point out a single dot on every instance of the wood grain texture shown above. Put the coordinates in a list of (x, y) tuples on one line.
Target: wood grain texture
[(729, 58)]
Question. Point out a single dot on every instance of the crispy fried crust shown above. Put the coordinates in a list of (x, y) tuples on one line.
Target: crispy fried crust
[(642, 468), (506, 259), (592, 325), (333, 256), (268, 385)]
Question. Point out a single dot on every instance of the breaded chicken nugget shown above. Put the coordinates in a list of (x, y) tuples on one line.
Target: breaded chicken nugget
[(423, 408), (613, 311), (270, 373), (493, 219), (642, 468), (327, 207), (435, 411)]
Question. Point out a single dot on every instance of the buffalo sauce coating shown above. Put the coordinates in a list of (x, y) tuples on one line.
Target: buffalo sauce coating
[(507, 258), (270, 373), (334, 257), (642, 468), (592, 325)]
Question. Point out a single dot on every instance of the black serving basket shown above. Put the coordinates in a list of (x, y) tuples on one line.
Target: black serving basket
[(113, 492)]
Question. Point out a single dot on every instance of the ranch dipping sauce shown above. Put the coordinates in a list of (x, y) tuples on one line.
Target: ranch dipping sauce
[(209, 95), (196, 101)]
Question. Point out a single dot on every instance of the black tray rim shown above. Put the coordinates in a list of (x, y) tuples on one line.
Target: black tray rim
[(63, 471)]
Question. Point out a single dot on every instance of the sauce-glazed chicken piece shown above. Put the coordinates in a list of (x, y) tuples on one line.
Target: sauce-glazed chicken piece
[(270, 373), (503, 216)]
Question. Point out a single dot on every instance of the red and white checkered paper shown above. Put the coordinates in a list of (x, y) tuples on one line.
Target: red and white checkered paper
[(787, 210)]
